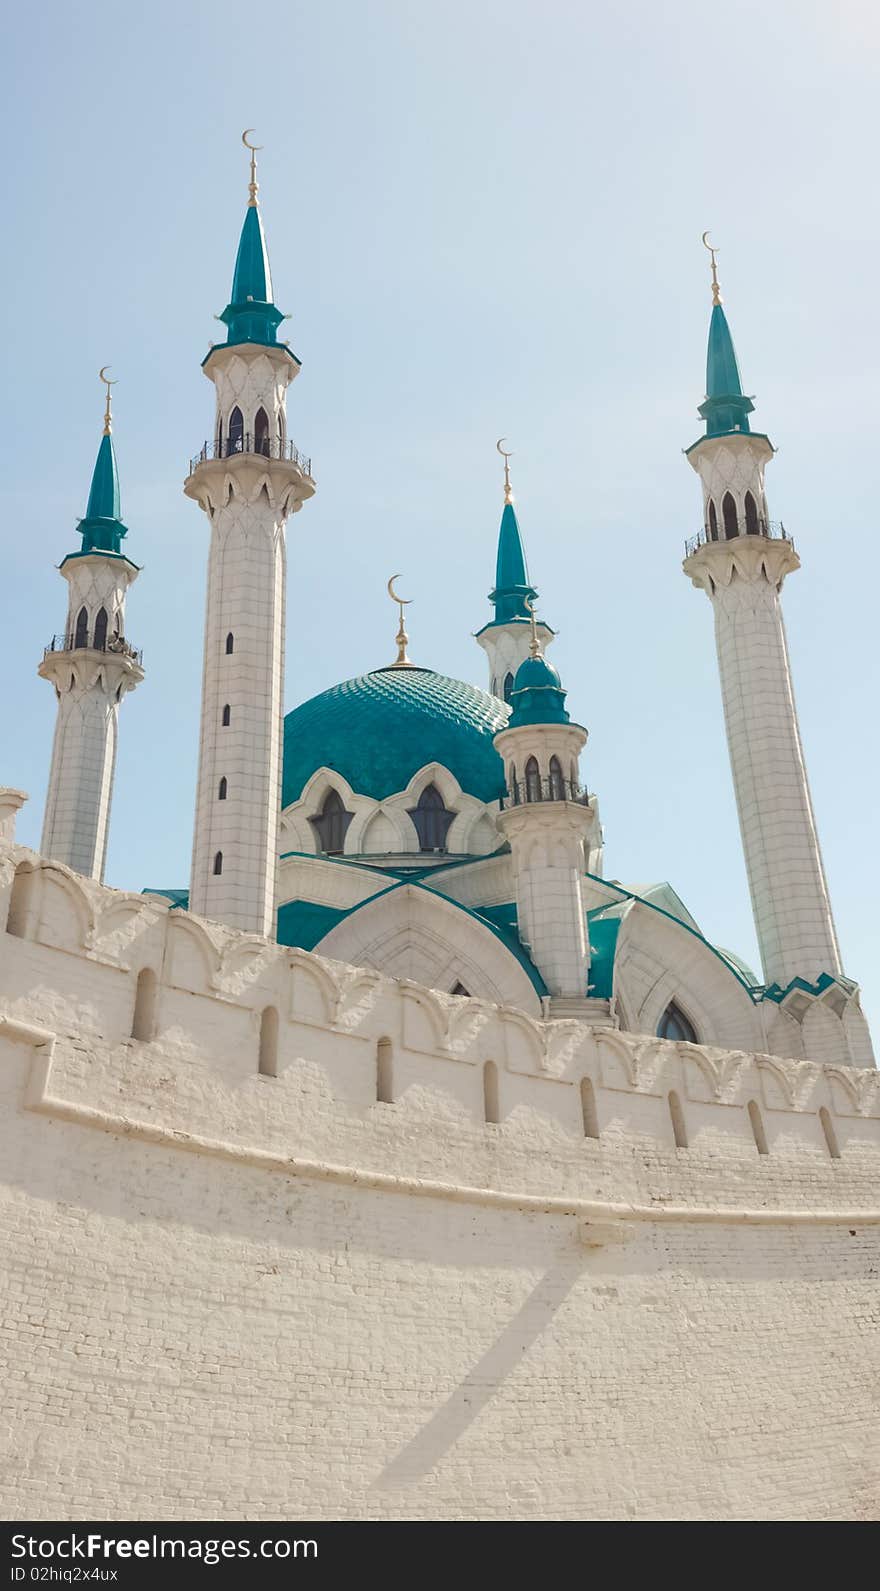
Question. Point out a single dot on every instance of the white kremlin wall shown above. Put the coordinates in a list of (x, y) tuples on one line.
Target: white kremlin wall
[(332, 1288)]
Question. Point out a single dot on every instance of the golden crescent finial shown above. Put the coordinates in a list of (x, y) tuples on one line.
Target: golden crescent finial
[(716, 290), (108, 417), (253, 185), (534, 644), (401, 661), (508, 494)]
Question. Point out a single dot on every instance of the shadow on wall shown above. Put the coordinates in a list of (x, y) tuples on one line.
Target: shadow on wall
[(445, 1428)]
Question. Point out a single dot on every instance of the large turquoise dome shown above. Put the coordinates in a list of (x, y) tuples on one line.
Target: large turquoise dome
[(379, 729)]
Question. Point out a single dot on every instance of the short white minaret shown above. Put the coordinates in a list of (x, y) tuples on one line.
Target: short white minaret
[(91, 666), (247, 479), (740, 559), (506, 638), (546, 817)]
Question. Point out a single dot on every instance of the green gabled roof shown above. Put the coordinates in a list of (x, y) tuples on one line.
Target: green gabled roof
[(725, 407), (102, 529), (379, 729)]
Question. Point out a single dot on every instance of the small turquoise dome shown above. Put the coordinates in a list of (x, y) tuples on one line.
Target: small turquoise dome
[(381, 728), (537, 696)]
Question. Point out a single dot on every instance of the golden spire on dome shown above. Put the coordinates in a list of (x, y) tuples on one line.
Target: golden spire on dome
[(508, 491), (534, 644), (108, 415), (716, 290), (401, 661), (253, 185)]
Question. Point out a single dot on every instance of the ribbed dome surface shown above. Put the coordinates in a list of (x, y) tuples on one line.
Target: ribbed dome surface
[(379, 729)]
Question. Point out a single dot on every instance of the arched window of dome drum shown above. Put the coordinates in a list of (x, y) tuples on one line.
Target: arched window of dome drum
[(230, 644), (227, 716), (101, 631), (533, 780), (588, 1108), (508, 687), (676, 1116), (731, 523), (432, 820), (236, 431), (751, 515), (218, 864), (384, 1081), (261, 432), (143, 1022), (331, 825), (491, 1111), (757, 1125), (557, 783), (81, 634), (830, 1135), (221, 793), (713, 521), (674, 1024), (269, 1042)]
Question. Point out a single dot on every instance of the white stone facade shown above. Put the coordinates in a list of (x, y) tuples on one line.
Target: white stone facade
[(247, 497), (240, 1284), (743, 577), (91, 670)]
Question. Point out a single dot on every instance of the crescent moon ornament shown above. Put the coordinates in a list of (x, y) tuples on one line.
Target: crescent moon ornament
[(401, 661), (244, 138), (253, 185), (106, 379), (108, 417), (716, 290), (508, 494), (402, 602)]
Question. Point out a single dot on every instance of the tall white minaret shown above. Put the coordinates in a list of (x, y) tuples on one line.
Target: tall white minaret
[(247, 479), (740, 559), (91, 666), (506, 638)]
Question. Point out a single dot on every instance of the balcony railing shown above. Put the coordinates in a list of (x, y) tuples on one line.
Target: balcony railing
[(114, 644), (772, 529), (526, 791), (267, 447)]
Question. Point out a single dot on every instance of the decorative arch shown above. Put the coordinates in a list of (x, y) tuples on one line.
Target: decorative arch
[(81, 633), (261, 432), (675, 1025), (507, 689), (713, 521), (332, 824), (533, 780), (730, 517), (751, 508), (235, 432), (432, 819), (101, 630), (557, 780)]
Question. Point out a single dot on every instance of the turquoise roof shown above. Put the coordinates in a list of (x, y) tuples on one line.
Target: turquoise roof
[(725, 408), (537, 696), (512, 585), (102, 529), (381, 728), (251, 316)]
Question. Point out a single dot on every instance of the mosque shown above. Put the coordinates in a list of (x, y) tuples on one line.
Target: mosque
[(404, 1166), (425, 827)]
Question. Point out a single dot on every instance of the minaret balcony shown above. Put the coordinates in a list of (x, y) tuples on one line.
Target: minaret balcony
[(770, 529), (258, 446), (114, 644), (527, 791)]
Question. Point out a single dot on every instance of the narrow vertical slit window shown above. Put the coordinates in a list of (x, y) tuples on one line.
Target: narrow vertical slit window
[(230, 644), (384, 1080), (676, 1116), (221, 793), (588, 1108), (143, 1023), (227, 716), (830, 1134), (269, 1042), (491, 1112), (218, 864), (757, 1124)]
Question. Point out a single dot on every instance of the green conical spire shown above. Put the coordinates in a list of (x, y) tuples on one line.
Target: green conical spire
[(725, 407), (513, 589), (102, 529), (251, 316)]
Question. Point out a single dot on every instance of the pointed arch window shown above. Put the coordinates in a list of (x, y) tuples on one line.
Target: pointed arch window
[(751, 506), (431, 819), (557, 782), (230, 644), (218, 864), (235, 441), (227, 716), (674, 1024), (331, 825), (533, 780), (713, 521), (81, 634), (261, 432), (508, 687), (729, 515), (101, 631), (223, 790)]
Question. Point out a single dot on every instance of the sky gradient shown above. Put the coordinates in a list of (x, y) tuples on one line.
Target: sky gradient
[(482, 218)]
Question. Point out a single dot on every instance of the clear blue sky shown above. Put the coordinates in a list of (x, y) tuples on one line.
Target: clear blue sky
[(483, 218)]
